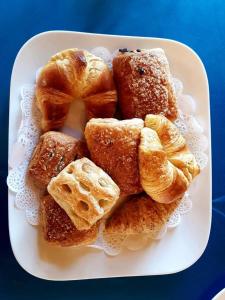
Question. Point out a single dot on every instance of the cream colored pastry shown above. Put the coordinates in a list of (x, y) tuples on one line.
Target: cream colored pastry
[(85, 192)]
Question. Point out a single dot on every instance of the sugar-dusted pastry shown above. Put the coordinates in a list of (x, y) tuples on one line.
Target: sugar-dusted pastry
[(140, 214), (144, 84), (53, 153), (113, 146), (167, 166), (85, 192), (59, 230), (69, 75)]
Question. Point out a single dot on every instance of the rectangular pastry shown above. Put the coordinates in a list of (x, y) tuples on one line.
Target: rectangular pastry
[(59, 230), (85, 192), (113, 146), (144, 84), (53, 153)]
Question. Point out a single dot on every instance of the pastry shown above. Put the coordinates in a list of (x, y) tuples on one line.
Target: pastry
[(113, 146), (101, 105), (69, 75), (54, 151), (85, 192), (140, 214), (144, 84), (166, 165), (59, 230)]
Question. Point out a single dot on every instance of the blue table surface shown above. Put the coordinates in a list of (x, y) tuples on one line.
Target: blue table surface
[(199, 24)]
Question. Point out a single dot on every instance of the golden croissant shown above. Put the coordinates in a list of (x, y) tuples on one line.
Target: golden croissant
[(167, 167), (74, 74)]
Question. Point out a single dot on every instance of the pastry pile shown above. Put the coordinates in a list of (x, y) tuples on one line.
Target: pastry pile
[(142, 157)]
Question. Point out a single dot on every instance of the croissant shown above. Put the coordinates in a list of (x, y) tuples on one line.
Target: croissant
[(167, 167), (140, 214), (69, 75)]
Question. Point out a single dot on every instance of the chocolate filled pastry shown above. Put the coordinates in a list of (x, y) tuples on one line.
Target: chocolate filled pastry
[(140, 214), (53, 153), (85, 192), (113, 146), (144, 84), (167, 167), (59, 230), (69, 75)]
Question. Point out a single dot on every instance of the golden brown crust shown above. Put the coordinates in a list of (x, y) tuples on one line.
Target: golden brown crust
[(101, 105), (113, 146), (144, 84), (167, 167), (53, 153), (140, 214), (69, 75), (59, 230), (85, 192)]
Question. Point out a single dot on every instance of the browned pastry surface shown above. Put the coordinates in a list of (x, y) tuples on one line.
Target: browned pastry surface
[(140, 214), (84, 191), (58, 229), (167, 167), (101, 105), (144, 84), (53, 153), (69, 75), (113, 146)]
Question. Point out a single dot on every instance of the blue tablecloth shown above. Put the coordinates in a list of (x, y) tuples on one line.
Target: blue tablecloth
[(199, 24)]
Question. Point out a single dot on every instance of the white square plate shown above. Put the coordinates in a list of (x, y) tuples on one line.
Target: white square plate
[(181, 247)]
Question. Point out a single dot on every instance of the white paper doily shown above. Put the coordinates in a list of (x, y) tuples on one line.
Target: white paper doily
[(27, 195)]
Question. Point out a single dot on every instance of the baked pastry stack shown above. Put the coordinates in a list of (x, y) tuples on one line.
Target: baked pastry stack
[(142, 157)]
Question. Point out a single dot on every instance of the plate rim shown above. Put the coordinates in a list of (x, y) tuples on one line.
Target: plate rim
[(39, 35)]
